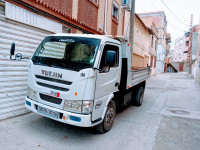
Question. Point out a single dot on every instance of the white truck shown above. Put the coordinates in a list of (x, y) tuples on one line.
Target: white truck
[(81, 79)]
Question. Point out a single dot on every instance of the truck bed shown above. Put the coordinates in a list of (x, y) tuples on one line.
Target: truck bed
[(139, 74)]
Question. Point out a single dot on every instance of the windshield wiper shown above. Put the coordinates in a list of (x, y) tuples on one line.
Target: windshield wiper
[(45, 61), (69, 65)]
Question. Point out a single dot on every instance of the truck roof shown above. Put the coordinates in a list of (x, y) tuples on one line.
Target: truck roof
[(101, 37)]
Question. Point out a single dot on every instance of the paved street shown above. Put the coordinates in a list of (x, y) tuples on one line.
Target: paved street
[(169, 119)]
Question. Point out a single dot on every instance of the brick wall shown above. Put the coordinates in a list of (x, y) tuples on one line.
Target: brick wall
[(88, 13), (158, 21), (114, 28), (141, 39), (101, 15), (62, 5), (148, 20)]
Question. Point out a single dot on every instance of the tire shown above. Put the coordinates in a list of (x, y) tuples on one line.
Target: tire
[(109, 118), (138, 97)]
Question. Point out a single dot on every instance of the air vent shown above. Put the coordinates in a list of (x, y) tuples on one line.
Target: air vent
[(51, 99), (52, 87)]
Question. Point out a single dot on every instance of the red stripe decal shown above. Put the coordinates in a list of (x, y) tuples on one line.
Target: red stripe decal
[(58, 94)]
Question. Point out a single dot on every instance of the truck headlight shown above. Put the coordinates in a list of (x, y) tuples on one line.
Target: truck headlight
[(73, 105), (84, 107), (32, 94)]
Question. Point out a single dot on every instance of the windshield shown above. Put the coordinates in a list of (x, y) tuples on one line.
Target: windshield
[(73, 53)]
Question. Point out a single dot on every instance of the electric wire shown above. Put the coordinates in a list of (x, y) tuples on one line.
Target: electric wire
[(173, 13), (172, 25), (176, 27)]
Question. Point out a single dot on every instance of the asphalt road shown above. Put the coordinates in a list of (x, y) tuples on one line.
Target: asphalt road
[(169, 119)]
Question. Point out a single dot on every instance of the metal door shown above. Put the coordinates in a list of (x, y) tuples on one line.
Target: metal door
[(180, 67), (106, 82), (13, 74)]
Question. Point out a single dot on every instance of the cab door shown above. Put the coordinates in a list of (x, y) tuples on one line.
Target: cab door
[(107, 78)]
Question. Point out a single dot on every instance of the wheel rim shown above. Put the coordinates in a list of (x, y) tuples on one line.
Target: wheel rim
[(141, 98), (109, 118)]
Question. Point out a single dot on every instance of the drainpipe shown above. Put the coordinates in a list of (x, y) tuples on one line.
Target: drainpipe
[(105, 17)]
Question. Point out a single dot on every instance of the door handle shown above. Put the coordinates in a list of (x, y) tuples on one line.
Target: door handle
[(116, 84)]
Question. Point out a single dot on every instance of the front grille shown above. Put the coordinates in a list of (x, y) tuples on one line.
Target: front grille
[(50, 99), (53, 80), (52, 87)]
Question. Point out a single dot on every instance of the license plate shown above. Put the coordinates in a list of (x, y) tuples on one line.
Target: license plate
[(48, 112)]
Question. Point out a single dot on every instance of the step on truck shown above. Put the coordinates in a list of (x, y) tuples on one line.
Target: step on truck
[(81, 79)]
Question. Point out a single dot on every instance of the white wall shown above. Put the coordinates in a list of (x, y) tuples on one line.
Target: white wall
[(160, 63), (22, 15)]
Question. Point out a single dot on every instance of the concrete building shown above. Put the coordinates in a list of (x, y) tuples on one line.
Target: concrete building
[(195, 53), (159, 19), (145, 43), (195, 30), (178, 56)]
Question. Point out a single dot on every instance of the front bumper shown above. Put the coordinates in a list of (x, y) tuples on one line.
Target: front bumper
[(85, 119)]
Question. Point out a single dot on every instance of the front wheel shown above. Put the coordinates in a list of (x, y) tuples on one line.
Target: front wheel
[(108, 120)]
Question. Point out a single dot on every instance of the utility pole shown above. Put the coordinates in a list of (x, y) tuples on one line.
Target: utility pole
[(189, 55), (131, 31)]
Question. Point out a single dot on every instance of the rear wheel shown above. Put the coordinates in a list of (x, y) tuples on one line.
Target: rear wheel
[(108, 120), (138, 97)]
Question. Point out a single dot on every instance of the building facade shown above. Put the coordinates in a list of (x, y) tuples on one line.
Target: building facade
[(195, 31), (159, 19), (178, 56), (195, 53), (145, 43)]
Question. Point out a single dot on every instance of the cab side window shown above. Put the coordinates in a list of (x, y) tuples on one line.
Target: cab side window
[(103, 58)]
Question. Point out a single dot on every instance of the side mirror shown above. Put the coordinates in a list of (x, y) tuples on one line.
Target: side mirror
[(110, 58), (12, 50), (18, 56), (105, 69)]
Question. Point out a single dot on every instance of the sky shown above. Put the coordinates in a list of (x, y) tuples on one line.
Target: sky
[(182, 9)]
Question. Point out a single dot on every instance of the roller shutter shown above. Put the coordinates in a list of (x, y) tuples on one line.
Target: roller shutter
[(27, 35)]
